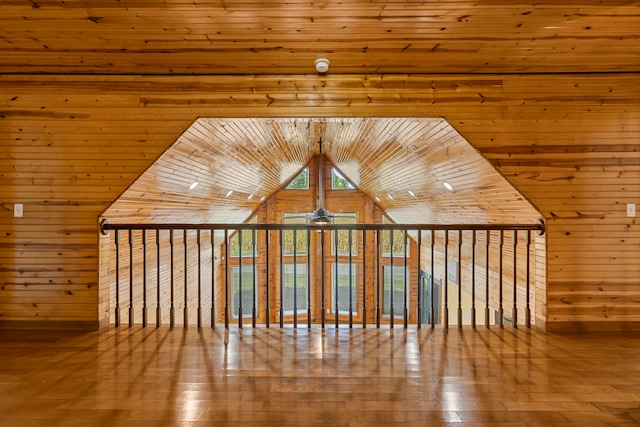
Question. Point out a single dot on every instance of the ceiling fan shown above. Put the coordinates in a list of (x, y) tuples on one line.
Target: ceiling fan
[(320, 216)]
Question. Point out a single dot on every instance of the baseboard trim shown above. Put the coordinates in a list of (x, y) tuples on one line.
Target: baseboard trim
[(592, 326), (39, 325)]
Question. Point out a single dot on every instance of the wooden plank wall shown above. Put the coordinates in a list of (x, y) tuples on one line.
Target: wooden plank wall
[(72, 145)]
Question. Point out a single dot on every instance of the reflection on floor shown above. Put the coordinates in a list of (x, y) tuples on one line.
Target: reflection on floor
[(287, 377)]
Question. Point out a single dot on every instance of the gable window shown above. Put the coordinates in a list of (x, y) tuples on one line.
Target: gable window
[(300, 182), (339, 182)]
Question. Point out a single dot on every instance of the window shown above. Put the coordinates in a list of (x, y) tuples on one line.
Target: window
[(394, 290), (343, 235), (339, 182), (398, 241), (288, 236), (340, 287), (300, 182), (295, 288), (249, 243), (247, 295)]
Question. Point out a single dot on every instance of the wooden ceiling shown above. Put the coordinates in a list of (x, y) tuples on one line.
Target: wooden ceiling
[(251, 37), (402, 163)]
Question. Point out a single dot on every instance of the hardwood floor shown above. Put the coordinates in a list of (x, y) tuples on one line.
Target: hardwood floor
[(286, 377)]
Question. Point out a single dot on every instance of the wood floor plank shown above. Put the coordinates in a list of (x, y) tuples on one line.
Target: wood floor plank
[(344, 377)]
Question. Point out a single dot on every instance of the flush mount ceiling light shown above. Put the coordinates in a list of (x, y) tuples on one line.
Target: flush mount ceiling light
[(411, 193), (229, 193), (193, 185), (447, 186), (322, 65)]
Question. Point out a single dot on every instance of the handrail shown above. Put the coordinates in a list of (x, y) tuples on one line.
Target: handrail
[(106, 226), (372, 281)]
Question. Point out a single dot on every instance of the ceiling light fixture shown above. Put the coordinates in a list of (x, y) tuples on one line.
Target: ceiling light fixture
[(193, 185), (229, 193), (262, 198), (411, 193), (250, 197), (447, 186), (390, 196), (377, 199), (322, 65), (320, 216)]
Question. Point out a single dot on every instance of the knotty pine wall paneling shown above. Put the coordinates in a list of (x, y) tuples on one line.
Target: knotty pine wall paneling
[(73, 144)]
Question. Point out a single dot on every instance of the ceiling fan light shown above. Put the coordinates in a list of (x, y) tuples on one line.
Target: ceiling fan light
[(320, 217)]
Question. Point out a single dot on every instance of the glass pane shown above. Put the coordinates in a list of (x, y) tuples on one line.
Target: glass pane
[(343, 235), (297, 281), (300, 182), (398, 290), (301, 236), (398, 243), (248, 247), (248, 297), (339, 182), (341, 289)]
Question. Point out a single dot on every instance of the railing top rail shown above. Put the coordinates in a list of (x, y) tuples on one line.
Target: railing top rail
[(539, 227)]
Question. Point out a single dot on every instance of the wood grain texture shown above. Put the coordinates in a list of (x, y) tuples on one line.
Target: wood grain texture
[(250, 37), (584, 205), (346, 378)]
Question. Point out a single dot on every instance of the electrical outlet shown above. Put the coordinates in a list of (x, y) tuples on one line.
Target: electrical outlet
[(18, 210), (631, 210)]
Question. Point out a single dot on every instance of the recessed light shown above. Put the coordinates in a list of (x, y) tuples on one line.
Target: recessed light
[(193, 185), (262, 198), (250, 197), (447, 186), (390, 196), (411, 193), (377, 199), (229, 193)]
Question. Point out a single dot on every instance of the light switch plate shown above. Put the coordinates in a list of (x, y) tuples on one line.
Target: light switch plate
[(631, 210), (18, 210)]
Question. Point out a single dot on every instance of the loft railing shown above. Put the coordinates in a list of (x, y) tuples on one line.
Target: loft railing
[(321, 274)]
